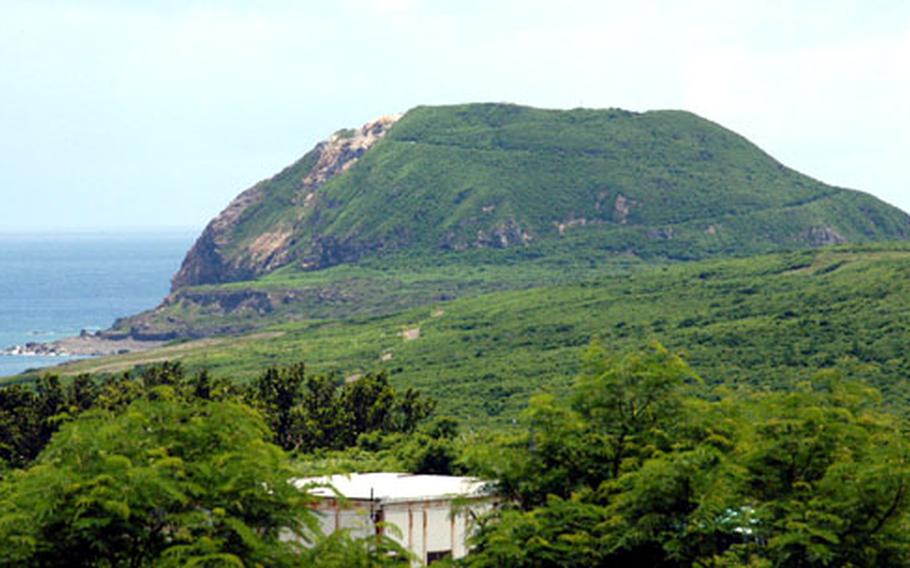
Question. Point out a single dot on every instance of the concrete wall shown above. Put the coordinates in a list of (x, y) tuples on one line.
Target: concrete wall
[(423, 527)]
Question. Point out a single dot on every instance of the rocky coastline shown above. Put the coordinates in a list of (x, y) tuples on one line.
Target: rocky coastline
[(86, 344)]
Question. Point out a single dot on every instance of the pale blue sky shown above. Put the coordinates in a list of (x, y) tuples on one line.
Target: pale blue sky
[(155, 114)]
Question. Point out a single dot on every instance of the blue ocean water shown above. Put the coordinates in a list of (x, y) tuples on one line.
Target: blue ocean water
[(54, 285)]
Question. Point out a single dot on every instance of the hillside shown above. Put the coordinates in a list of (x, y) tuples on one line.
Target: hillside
[(661, 184), (765, 321), (474, 251)]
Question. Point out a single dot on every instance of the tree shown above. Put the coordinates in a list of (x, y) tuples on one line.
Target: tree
[(18, 428), (638, 470), (312, 412), (320, 416), (622, 409), (277, 392), (631, 403), (828, 476), (165, 479)]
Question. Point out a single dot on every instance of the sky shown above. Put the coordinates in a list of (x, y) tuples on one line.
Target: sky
[(154, 114)]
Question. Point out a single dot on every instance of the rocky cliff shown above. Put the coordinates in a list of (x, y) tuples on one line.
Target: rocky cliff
[(222, 254), (661, 183)]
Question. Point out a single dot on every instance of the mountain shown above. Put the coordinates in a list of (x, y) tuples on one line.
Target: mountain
[(475, 251), (659, 184)]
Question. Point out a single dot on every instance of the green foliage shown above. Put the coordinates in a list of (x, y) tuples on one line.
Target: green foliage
[(765, 322), (163, 470), (813, 477), (340, 550), (28, 417), (435, 448), (630, 403), (164, 479), (471, 199), (306, 413), (278, 392), (828, 474), (312, 412), (623, 411)]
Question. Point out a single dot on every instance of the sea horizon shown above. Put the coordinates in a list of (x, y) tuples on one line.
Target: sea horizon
[(58, 283)]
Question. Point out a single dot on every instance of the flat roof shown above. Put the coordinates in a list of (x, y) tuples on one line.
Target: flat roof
[(387, 487)]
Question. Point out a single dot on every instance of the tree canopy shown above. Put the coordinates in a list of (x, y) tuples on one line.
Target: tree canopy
[(163, 469), (642, 466)]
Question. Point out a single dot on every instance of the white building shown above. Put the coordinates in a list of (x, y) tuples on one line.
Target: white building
[(432, 514)]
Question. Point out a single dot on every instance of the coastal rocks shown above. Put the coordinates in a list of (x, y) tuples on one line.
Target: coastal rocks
[(226, 301), (35, 349), (86, 344), (199, 312)]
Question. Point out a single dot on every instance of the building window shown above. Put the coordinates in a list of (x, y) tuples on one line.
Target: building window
[(438, 555)]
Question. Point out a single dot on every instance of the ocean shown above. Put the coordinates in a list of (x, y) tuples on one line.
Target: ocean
[(55, 285)]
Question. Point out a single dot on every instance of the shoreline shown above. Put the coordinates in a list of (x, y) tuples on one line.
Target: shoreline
[(86, 344)]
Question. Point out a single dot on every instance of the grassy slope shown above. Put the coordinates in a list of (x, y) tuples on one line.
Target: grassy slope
[(767, 320), (448, 176), (389, 283), (440, 166)]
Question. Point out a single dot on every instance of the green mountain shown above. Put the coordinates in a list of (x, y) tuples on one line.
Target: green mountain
[(475, 251), (661, 184)]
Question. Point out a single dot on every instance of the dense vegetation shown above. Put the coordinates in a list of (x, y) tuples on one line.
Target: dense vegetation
[(640, 463), (766, 321), (643, 467), (304, 412), (429, 182), (447, 188), (169, 469)]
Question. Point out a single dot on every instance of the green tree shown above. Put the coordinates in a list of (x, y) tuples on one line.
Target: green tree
[(18, 425), (828, 475), (277, 391), (81, 394), (623, 410), (638, 470), (631, 404), (320, 415), (165, 479), (312, 412)]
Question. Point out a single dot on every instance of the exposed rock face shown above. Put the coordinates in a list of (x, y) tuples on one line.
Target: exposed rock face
[(561, 226), (503, 235), (342, 149), (621, 209), (824, 236), (216, 257)]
